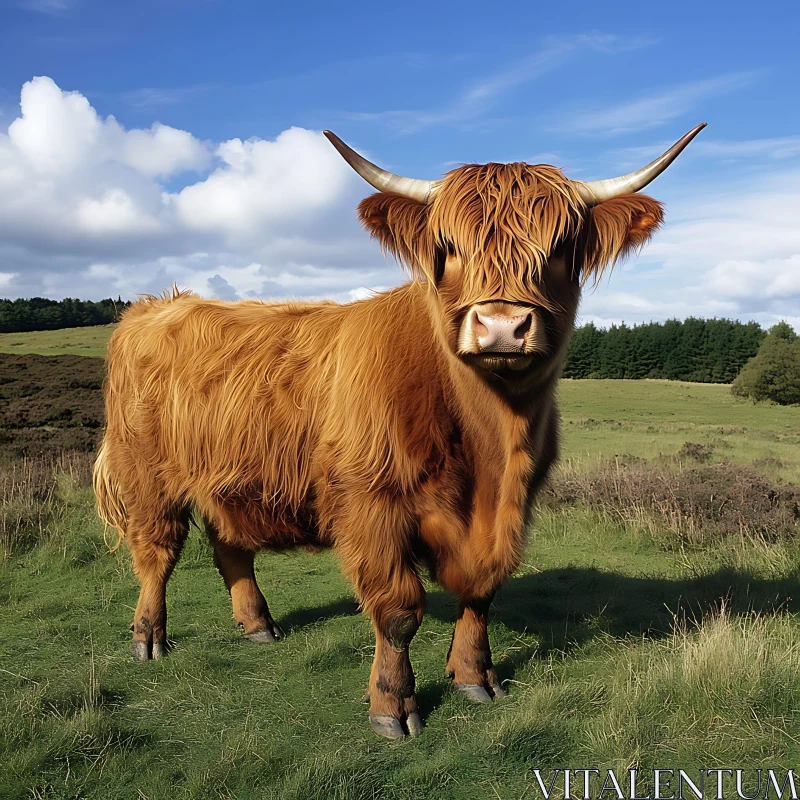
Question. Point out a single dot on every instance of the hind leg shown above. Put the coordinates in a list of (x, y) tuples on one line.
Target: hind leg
[(250, 609), (155, 542)]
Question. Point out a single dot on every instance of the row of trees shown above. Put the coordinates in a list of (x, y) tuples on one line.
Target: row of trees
[(41, 314), (702, 350)]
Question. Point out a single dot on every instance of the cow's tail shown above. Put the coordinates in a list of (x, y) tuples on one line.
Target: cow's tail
[(109, 498)]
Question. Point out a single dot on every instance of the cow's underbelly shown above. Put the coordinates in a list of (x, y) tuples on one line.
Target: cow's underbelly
[(253, 524)]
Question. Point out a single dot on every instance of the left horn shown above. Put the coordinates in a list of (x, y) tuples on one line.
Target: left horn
[(594, 192), (382, 180)]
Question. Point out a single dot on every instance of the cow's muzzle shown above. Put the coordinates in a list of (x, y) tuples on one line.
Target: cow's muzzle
[(501, 336)]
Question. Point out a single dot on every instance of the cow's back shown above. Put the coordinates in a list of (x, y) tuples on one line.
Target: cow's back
[(218, 399), (271, 404)]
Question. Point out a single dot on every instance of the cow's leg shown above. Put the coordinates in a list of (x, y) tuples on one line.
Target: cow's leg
[(393, 708), (250, 609), (374, 547), (155, 542), (469, 662)]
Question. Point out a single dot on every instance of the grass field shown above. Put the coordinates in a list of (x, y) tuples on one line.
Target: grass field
[(89, 341), (601, 418), (632, 635)]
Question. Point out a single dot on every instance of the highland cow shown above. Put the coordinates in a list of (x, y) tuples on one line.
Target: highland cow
[(408, 430)]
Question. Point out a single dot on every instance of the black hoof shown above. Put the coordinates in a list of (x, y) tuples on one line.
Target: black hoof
[(141, 651), (386, 726), (473, 692), (414, 724)]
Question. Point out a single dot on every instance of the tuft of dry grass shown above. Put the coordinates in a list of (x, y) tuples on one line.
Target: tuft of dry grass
[(32, 496), (693, 504)]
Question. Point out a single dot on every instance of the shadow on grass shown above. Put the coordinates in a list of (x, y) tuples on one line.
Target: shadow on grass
[(301, 617), (566, 608)]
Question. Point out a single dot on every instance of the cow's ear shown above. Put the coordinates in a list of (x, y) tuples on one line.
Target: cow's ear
[(617, 227), (400, 225)]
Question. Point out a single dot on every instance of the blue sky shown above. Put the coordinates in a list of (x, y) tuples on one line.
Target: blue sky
[(179, 140)]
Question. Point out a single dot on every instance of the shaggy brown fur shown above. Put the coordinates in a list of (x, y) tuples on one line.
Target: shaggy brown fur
[(359, 426)]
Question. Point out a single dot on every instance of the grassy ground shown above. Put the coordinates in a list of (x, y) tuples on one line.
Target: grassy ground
[(648, 418), (623, 640), (596, 636), (89, 341)]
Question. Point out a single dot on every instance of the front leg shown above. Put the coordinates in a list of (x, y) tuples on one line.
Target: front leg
[(469, 662), (373, 542), (393, 711)]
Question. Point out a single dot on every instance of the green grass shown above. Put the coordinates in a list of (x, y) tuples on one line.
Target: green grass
[(604, 418), (591, 634), (620, 646), (89, 341)]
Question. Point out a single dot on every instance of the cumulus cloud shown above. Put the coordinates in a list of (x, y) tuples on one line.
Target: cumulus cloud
[(732, 251), (89, 208), (261, 182)]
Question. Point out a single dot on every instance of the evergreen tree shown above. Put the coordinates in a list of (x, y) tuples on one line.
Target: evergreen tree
[(584, 352), (39, 313), (774, 372)]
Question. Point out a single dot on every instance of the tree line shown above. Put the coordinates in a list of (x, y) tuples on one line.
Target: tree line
[(704, 350), (700, 350), (41, 314)]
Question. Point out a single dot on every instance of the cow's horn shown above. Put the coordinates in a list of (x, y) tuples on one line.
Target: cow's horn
[(382, 180), (594, 192)]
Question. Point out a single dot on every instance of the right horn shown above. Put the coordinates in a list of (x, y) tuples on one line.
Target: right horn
[(594, 192)]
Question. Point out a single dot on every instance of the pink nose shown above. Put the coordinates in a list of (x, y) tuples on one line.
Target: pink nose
[(501, 334)]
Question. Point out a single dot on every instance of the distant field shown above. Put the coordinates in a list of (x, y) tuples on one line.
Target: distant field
[(89, 341), (605, 418), (601, 418)]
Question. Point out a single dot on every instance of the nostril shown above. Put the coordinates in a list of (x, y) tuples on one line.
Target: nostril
[(479, 325), (521, 330)]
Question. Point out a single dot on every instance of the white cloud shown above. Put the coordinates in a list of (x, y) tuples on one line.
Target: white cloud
[(478, 96), (262, 182), (773, 278), (655, 108), (85, 209), (730, 250), (114, 213)]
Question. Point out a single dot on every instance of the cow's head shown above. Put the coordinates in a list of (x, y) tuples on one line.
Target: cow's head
[(506, 248)]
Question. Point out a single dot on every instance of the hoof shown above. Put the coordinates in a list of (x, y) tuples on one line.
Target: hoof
[(473, 692), (414, 724), (386, 726), (497, 690), (262, 636), (159, 650), (141, 651)]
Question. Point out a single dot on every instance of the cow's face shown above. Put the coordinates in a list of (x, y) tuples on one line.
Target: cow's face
[(505, 249)]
